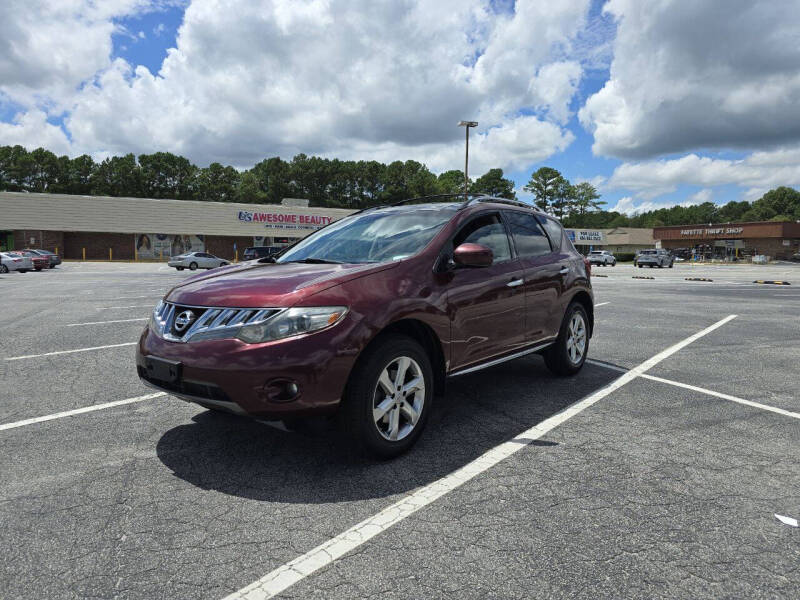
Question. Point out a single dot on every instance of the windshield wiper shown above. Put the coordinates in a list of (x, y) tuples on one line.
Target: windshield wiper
[(316, 261)]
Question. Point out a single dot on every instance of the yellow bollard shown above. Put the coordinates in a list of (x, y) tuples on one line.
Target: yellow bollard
[(236, 259), (56, 249), (135, 254), (84, 255), (161, 254), (109, 254)]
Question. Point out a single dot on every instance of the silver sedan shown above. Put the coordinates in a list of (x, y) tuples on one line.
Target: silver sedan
[(15, 262), (197, 260)]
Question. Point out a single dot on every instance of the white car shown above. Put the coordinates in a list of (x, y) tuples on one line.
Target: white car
[(602, 257), (197, 260), (15, 262)]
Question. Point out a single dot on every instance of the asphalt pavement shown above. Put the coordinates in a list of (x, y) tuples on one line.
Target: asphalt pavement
[(663, 484)]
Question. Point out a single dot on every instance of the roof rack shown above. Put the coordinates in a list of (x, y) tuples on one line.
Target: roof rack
[(475, 197), (487, 198)]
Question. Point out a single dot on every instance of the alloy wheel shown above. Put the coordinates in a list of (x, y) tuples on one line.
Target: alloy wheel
[(576, 338), (399, 398)]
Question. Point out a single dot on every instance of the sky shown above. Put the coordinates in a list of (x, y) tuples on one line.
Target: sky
[(656, 103)]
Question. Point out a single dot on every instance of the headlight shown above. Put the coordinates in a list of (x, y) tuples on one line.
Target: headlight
[(156, 324), (295, 321)]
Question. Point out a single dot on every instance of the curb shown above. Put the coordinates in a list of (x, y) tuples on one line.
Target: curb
[(697, 279), (642, 277), (771, 282)]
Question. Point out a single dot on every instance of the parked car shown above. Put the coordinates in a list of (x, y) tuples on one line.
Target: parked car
[(260, 252), (53, 258), (39, 262), (10, 261), (197, 260), (368, 316), (602, 257), (657, 257)]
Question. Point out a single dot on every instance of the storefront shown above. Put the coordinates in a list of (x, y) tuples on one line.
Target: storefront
[(103, 228), (620, 240), (731, 242)]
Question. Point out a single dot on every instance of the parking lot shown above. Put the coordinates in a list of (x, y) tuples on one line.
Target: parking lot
[(658, 471)]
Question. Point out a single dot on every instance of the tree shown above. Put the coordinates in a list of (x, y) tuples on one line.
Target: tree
[(165, 175), (493, 183), (117, 176), (451, 182), (216, 183), (586, 198), (544, 184)]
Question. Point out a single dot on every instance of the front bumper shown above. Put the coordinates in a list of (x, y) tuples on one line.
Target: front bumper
[(241, 378)]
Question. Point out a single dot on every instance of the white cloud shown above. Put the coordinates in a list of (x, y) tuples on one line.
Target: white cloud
[(757, 173), (686, 75), (338, 78), (32, 130), (704, 195)]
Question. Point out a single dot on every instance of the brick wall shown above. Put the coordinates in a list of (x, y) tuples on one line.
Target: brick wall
[(222, 246), (97, 245), (42, 240)]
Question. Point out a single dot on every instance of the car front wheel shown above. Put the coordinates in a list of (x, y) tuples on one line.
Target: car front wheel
[(388, 397), (567, 355), (193, 266), (3, 269)]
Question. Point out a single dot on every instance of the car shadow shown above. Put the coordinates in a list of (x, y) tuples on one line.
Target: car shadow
[(246, 458)]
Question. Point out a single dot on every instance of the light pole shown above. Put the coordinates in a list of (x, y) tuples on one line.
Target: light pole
[(466, 125)]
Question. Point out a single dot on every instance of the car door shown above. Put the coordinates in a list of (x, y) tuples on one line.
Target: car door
[(542, 274), (486, 304)]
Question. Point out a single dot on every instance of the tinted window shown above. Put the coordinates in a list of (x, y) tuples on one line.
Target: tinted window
[(528, 236), (373, 236), (554, 231), (487, 231)]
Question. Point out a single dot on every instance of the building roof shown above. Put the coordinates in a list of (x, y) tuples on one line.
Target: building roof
[(65, 212)]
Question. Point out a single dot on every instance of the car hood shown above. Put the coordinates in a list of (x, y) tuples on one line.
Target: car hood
[(259, 285)]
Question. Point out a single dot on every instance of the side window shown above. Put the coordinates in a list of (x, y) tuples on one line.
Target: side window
[(487, 231), (554, 231), (528, 236)]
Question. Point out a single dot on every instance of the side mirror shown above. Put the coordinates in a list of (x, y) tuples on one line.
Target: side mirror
[(473, 255)]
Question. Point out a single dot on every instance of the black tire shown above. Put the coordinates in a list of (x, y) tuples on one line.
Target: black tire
[(179, 268), (640, 266), (193, 266), (614, 264), (3, 269), (356, 412), (556, 357), (22, 270), (670, 265)]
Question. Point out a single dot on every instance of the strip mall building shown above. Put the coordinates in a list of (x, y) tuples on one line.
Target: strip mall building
[(101, 227), (734, 240)]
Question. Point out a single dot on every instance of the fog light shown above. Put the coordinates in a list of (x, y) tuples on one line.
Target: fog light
[(281, 390)]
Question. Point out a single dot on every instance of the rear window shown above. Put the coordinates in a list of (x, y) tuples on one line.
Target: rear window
[(529, 238), (648, 252), (596, 252), (554, 231)]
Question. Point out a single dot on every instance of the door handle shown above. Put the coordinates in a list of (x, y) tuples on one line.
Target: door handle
[(564, 270), (514, 283)]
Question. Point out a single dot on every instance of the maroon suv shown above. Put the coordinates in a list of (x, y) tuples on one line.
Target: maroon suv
[(370, 315)]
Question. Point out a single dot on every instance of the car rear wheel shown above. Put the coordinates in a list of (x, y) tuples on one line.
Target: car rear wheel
[(388, 397), (193, 266), (179, 268), (567, 355)]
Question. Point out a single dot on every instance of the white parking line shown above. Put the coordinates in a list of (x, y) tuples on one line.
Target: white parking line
[(694, 388), (104, 322), (71, 351), (132, 306), (602, 304), (79, 411), (298, 569)]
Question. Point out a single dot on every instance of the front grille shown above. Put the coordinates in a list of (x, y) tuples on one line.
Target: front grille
[(181, 323), (197, 389)]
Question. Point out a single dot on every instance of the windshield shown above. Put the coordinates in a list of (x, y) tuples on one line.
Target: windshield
[(373, 236)]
